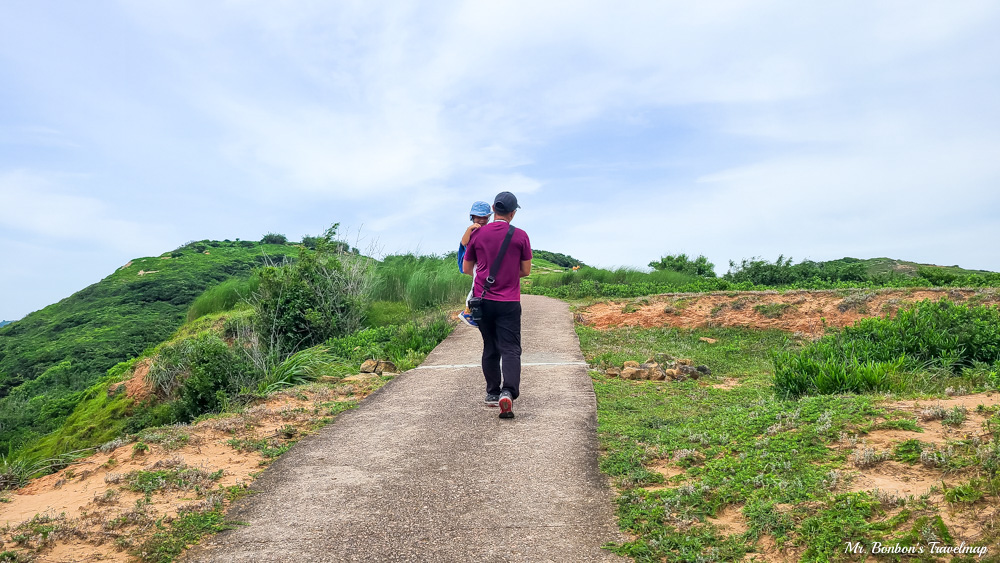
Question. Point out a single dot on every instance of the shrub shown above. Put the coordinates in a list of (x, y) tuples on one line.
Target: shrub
[(274, 238), (700, 266), (866, 356), (321, 295)]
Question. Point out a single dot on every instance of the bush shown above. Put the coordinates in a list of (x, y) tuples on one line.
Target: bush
[(867, 356), (321, 295), (274, 238), (700, 266)]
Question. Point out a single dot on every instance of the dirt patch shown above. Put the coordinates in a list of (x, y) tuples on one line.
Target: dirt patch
[(802, 311), (893, 479), (768, 550), (727, 383), (99, 517), (730, 520)]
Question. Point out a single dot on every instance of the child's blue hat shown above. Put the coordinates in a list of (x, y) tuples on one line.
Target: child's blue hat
[(480, 209)]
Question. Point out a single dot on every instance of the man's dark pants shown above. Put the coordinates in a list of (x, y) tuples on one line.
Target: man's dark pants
[(501, 330)]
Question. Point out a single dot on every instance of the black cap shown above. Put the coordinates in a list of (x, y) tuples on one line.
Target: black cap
[(505, 202)]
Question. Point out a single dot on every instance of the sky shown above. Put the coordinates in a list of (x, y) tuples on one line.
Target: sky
[(628, 130)]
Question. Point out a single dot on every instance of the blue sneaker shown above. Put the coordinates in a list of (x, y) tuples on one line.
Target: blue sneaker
[(492, 400), (467, 318)]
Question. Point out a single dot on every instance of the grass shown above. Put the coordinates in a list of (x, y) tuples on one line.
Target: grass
[(779, 462)]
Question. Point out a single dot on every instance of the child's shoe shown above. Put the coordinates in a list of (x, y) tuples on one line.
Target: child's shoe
[(466, 317)]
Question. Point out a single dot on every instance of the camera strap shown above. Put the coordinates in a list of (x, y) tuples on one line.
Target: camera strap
[(495, 266)]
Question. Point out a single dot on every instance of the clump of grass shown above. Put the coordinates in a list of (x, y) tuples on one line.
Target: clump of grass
[(268, 448), (223, 297), (955, 416), (772, 310), (866, 356), (866, 457), (178, 478), (909, 451), (856, 300)]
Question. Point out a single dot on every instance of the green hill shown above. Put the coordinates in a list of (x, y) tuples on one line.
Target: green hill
[(892, 266), (5, 323), (50, 357)]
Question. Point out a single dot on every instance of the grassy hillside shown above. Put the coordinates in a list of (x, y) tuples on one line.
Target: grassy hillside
[(50, 357), (5, 323)]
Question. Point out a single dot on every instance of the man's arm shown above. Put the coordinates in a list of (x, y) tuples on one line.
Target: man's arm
[(468, 267), (525, 268)]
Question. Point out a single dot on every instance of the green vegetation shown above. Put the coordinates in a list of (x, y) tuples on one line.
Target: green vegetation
[(421, 282), (780, 463), (772, 310), (940, 339), (171, 539), (700, 266), (275, 323), (51, 358), (555, 258), (691, 276)]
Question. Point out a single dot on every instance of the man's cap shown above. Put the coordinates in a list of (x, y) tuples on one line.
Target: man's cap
[(505, 202), (480, 209)]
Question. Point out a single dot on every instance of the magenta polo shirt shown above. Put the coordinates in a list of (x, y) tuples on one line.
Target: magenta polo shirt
[(483, 248)]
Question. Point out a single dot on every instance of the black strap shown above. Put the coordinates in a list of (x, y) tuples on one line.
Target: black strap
[(495, 266)]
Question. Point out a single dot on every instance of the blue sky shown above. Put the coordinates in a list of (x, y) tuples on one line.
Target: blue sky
[(628, 130)]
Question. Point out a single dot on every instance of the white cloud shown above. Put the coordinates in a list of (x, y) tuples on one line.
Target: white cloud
[(38, 206)]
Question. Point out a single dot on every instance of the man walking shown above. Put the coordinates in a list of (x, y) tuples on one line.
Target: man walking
[(501, 306)]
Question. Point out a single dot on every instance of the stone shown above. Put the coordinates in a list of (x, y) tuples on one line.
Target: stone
[(613, 372), (670, 373), (633, 373), (385, 366), (657, 375), (704, 370), (630, 364), (661, 358), (369, 366), (684, 362), (707, 339)]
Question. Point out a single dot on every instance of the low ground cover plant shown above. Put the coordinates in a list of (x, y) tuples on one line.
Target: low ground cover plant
[(682, 455)]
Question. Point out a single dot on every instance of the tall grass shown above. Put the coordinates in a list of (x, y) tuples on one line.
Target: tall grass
[(616, 276), (420, 281), (876, 353), (223, 297)]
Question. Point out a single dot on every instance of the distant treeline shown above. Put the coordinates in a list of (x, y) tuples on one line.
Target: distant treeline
[(679, 273)]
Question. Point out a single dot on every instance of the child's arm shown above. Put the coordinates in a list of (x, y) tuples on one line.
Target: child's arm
[(468, 233)]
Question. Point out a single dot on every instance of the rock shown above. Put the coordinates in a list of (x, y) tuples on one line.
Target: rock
[(653, 371), (369, 366), (328, 379), (684, 362), (670, 373), (661, 358), (613, 372), (689, 372), (707, 339), (385, 366), (633, 373), (658, 375), (704, 370), (630, 364)]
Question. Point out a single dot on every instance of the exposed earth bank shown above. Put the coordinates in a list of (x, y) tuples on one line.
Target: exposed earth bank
[(807, 312)]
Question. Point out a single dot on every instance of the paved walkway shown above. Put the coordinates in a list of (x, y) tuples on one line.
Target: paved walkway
[(422, 471)]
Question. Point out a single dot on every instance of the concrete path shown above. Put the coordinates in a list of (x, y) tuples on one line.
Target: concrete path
[(422, 471)]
